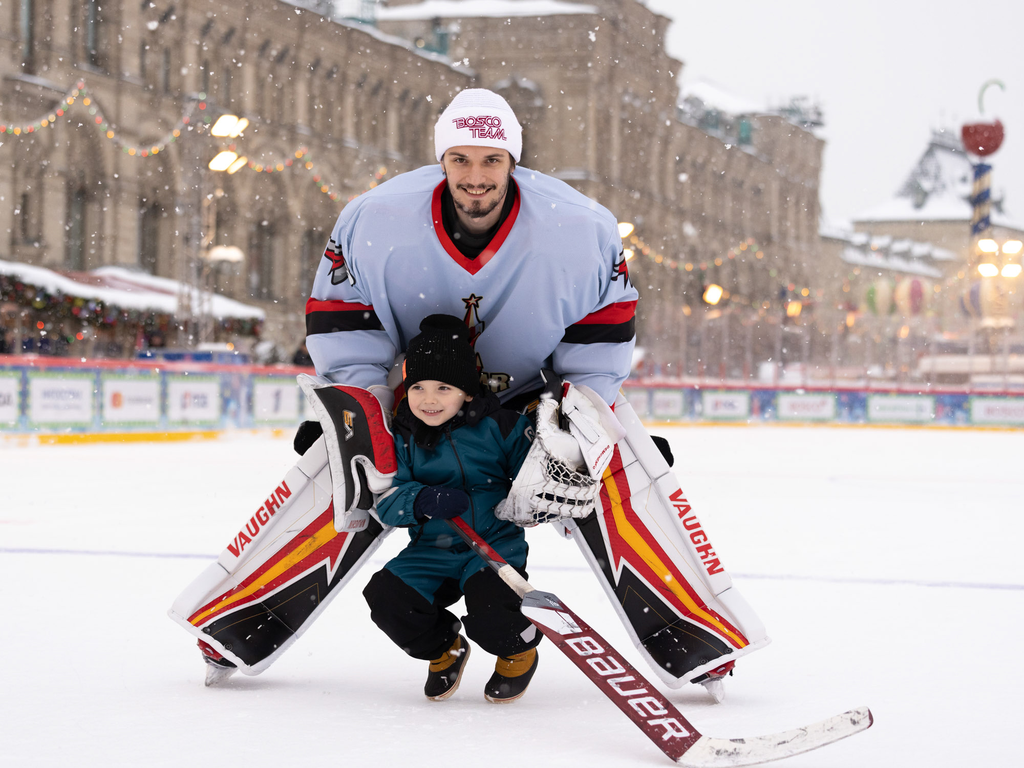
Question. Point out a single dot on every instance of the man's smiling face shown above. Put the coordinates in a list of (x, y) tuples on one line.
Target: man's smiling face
[(478, 180)]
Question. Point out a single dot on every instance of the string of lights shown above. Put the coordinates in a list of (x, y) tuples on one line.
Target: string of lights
[(741, 252), (80, 94)]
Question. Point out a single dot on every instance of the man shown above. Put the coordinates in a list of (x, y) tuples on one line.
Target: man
[(534, 267), (536, 271)]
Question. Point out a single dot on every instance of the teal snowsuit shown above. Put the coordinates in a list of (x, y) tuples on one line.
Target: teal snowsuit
[(479, 451)]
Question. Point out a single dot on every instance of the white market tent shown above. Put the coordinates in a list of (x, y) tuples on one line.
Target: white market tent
[(128, 290)]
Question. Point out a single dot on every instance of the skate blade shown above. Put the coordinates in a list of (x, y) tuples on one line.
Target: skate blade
[(716, 688), (216, 674)]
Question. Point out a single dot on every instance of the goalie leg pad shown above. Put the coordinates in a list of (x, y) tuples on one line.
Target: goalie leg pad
[(659, 567), (279, 572)]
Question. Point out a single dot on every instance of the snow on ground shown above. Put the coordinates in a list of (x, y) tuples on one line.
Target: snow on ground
[(884, 563)]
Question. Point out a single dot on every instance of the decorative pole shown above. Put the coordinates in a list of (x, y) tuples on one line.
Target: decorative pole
[(981, 140)]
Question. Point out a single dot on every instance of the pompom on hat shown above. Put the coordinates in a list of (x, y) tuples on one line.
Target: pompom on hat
[(478, 118), (442, 352)]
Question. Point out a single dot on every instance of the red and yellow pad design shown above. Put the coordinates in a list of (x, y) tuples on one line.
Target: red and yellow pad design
[(280, 570), (659, 567)]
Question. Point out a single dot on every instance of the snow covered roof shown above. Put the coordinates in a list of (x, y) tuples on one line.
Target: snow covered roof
[(886, 252), (495, 9), (938, 189), (124, 288), (367, 28), (714, 96), (887, 260)]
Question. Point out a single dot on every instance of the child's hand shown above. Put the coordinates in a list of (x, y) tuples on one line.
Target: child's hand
[(439, 503)]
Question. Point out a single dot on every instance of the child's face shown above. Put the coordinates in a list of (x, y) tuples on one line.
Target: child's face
[(434, 402)]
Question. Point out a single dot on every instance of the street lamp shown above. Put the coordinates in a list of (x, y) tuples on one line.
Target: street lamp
[(229, 126), (713, 294), (227, 160), (990, 265)]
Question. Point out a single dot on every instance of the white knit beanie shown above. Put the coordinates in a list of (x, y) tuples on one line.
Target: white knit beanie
[(478, 118)]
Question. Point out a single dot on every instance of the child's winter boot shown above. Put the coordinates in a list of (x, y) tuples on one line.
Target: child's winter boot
[(511, 677), (446, 671)]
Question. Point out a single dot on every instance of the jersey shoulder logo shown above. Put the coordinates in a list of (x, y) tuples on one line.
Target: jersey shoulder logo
[(619, 269), (339, 269)]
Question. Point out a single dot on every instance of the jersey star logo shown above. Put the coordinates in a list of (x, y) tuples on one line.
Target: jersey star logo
[(472, 317)]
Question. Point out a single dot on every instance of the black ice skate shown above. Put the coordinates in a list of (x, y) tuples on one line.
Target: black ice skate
[(511, 677), (446, 671)]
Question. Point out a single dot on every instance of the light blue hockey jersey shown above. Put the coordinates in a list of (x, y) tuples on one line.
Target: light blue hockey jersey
[(551, 290)]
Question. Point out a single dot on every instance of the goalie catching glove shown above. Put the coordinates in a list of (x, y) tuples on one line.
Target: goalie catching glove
[(360, 446), (561, 476)]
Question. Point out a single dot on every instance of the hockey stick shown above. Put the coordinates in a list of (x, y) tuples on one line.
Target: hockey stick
[(638, 699)]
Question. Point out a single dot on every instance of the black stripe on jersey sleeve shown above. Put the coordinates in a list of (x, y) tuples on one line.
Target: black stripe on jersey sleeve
[(589, 333), (342, 320)]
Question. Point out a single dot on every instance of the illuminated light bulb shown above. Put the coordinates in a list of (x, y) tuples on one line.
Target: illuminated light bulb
[(713, 294), (223, 160)]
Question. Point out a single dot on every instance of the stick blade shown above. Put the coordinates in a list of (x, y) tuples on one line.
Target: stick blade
[(710, 752)]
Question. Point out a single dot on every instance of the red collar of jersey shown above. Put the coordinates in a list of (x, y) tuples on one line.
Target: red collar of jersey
[(472, 265)]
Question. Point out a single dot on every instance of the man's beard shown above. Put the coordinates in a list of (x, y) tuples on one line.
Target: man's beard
[(477, 209)]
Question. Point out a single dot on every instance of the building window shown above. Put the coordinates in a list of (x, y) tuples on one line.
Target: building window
[(261, 262), (23, 212), (28, 33), (149, 238), (746, 132), (165, 72), (224, 98), (95, 34), (76, 229)]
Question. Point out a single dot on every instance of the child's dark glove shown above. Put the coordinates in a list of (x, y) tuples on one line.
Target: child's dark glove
[(439, 503)]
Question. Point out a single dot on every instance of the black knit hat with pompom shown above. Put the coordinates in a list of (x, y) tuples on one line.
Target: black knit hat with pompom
[(442, 352)]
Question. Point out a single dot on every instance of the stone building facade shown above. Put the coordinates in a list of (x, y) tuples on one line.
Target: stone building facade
[(729, 201), (358, 106)]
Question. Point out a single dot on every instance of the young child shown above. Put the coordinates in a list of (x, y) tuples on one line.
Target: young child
[(458, 451)]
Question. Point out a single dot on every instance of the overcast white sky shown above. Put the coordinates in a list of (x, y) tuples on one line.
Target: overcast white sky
[(885, 72)]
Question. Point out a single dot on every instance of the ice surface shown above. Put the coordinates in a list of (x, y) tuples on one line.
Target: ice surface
[(884, 562)]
